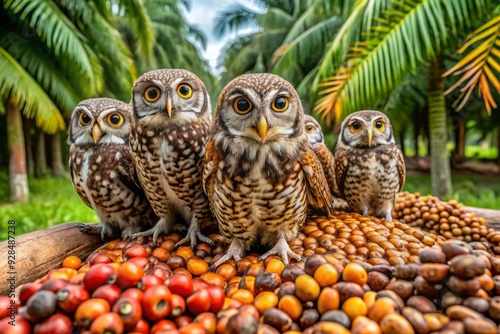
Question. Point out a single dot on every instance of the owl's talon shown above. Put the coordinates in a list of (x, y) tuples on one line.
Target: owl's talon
[(193, 235), (235, 251), (160, 227), (283, 250)]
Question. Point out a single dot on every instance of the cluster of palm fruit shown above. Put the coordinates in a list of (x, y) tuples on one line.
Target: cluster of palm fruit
[(447, 219), (361, 275)]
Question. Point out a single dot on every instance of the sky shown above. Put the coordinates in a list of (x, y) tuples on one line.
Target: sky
[(202, 14)]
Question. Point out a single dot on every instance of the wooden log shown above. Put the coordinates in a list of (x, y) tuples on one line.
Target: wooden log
[(491, 217), (38, 252)]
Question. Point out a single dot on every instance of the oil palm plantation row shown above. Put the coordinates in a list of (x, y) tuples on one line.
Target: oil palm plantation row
[(55, 53), (399, 56)]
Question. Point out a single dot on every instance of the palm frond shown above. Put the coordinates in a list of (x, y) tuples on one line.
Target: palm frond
[(59, 34), (107, 42), (138, 17), (42, 68), (357, 24), (311, 41), (15, 81), (410, 33), (275, 18), (235, 17), (480, 67)]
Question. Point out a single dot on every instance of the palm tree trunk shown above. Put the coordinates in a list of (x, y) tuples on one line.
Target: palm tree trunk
[(40, 154), (18, 178), (440, 164), (30, 163), (56, 154), (402, 142), (460, 140), (498, 145)]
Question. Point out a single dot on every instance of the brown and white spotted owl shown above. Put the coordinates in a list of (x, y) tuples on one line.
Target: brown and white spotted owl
[(260, 174), (316, 141), (172, 117), (102, 170), (369, 167)]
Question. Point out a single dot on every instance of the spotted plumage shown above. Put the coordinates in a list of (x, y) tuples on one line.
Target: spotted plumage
[(259, 172), (369, 168), (102, 170), (172, 116), (316, 141)]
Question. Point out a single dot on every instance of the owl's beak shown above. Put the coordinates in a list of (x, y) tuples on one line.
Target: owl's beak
[(169, 106), (262, 128), (96, 133), (370, 135)]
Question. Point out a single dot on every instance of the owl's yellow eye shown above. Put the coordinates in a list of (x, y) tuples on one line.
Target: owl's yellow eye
[(185, 91), (380, 126), (84, 119), (242, 105), (115, 119), (309, 128), (152, 94), (280, 104), (355, 126)]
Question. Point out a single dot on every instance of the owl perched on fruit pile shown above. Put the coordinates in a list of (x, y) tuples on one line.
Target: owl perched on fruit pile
[(316, 142), (102, 170), (260, 173), (171, 109), (370, 169)]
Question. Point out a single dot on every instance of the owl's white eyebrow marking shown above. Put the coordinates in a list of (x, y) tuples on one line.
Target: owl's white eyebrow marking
[(109, 110), (84, 108), (158, 83)]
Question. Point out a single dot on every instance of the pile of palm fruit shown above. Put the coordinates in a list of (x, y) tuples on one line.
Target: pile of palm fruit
[(361, 275), (447, 219)]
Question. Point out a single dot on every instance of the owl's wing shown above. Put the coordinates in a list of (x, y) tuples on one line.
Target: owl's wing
[(341, 166), (128, 176), (401, 168), (327, 160), (210, 168), (318, 193), (80, 193)]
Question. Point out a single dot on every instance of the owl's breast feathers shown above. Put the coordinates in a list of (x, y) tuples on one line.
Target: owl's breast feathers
[(276, 166), (386, 158), (104, 175)]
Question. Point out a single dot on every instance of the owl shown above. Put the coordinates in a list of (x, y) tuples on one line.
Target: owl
[(369, 168), (260, 174), (317, 144), (171, 120), (102, 170)]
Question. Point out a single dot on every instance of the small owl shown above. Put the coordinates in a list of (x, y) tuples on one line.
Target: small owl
[(102, 170), (171, 120), (260, 174), (316, 142), (369, 168)]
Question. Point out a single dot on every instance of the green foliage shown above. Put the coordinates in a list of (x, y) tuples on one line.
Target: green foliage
[(52, 201), (401, 38), (477, 191)]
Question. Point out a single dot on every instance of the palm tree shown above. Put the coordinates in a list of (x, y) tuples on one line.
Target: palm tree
[(254, 52), (176, 43), (53, 54), (380, 43)]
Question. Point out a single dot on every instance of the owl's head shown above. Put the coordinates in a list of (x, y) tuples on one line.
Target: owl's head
[(169, 96), (313, 130), (367, 128), (262, 108), (100, 121)]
